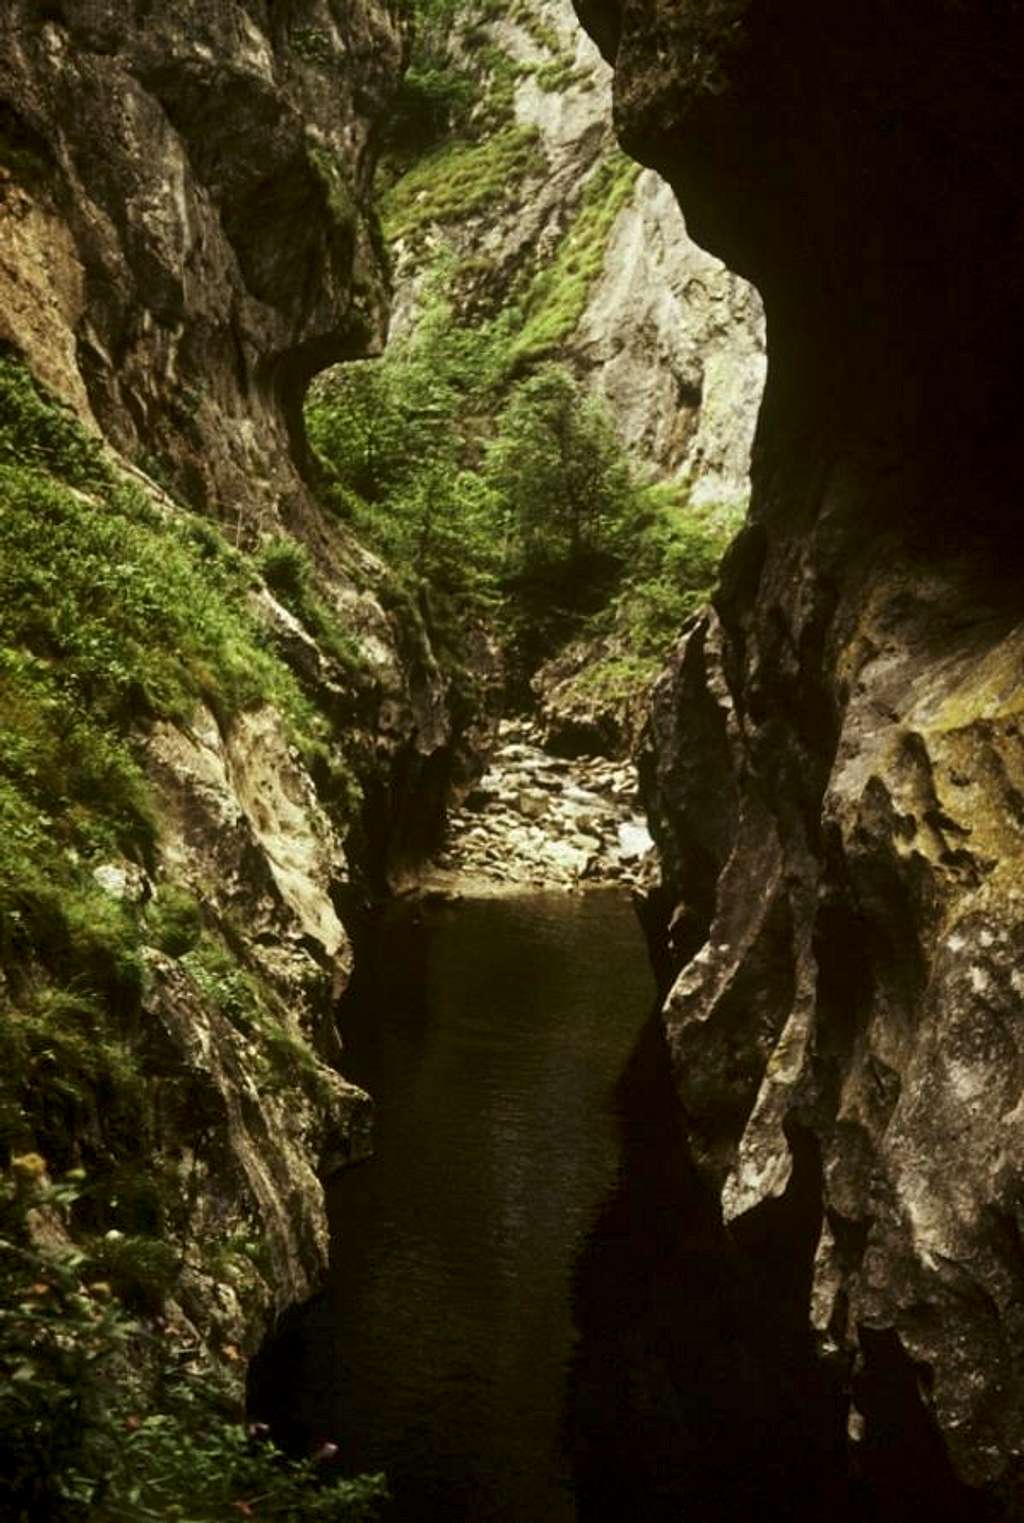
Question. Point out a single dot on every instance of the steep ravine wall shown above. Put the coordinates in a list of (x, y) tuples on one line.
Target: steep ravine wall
[(672, 339), (587, 261), (835, 768), (185, 238)]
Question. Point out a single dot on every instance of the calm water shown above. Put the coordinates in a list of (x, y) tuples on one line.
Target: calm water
[(490, 1034), (536, 1315)]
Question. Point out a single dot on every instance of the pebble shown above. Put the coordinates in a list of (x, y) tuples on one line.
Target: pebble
[(540, 821)]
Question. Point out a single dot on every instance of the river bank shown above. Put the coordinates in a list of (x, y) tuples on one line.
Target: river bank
[(538, 822)]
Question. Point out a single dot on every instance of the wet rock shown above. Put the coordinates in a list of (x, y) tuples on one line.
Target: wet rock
[(577, 832), (834, 767)]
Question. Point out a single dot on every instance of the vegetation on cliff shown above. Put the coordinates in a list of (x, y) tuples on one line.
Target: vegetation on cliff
[(472, 457), (495, 489), (116, 610), (78, 1438), (506, 495)]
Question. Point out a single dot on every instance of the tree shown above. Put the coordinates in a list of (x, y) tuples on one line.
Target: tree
[(560, 475)]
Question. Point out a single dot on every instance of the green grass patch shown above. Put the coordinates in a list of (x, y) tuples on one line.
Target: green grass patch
[(114, 612), (561, 75), (288, 571), (460, 178), (556, 297)]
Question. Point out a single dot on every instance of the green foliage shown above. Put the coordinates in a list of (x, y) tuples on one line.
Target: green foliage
[(288, 572), (112, 612), (513, 502), (459, 178), (557, 295), (561, 75), (559, 473), (173, 920), (433, 102), (234, 992), (341, 203), (99, 1422), (395, 437), (35, 432), (525, 15), (281, 1058), (140, 1269), (67, 1072), (676, 549)]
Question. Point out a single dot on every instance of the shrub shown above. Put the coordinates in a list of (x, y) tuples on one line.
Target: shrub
[(99, 1421), (288, 572)]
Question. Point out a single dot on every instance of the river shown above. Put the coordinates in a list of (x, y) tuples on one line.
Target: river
[(535, 1314), (490, 1034)]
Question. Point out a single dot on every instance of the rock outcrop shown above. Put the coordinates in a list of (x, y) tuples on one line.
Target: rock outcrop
[(185, 239), (672, 339), (835, 765), (539, 822)]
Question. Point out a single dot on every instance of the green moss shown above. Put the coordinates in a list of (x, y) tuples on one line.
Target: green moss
[(461, 178), (341, 203), (113, 612), (543, 35), (557, 295), (173, 920), (65, 1069), (282, 1058), (562, 75), (313, 45)]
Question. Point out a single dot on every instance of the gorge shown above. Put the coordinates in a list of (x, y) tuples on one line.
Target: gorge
[(264, 599)]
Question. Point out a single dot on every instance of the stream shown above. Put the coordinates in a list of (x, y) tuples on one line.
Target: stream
[(490, 1034), (534, 1312)]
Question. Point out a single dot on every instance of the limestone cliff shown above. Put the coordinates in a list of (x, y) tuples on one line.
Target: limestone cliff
[(551, 246), (835, 766), (671, 338)]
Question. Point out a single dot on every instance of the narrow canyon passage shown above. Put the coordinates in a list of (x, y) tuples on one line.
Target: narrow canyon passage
[(534, 1313), (491, 1034)]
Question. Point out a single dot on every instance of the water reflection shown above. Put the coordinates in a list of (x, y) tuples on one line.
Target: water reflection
[(535, 1314), (695, 1392), (490, 1035)]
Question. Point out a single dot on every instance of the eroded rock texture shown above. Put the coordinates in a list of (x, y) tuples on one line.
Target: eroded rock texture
[(836, 769), (185, 238), (196, 179)]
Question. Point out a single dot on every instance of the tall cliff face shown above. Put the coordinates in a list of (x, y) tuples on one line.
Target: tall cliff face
[(184, 240), (672, 339), (835, 767), (512, 210)]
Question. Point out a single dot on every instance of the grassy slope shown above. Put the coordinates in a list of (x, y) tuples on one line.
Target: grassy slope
[(115, 610)]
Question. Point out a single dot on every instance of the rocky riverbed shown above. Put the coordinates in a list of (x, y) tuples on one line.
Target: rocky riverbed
[(537, 821)]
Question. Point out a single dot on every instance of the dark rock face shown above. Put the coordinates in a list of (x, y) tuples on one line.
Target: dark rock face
[(835, 769), (185, 238), (186, 224)]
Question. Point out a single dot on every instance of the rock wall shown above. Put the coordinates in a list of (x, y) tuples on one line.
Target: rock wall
[(671, 338), (185, 238), (834, 770)]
